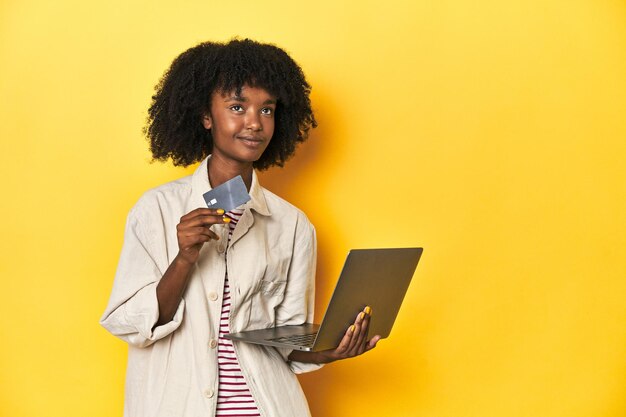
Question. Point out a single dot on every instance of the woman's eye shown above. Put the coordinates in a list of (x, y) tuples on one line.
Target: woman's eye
[(236, 107), (267, 111)]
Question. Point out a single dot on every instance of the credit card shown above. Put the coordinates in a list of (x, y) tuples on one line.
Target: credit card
[(227, 196)]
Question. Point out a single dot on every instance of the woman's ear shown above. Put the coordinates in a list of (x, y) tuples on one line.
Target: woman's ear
[(206, 121)]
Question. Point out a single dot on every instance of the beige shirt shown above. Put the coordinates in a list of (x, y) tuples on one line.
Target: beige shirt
[(172, 368)]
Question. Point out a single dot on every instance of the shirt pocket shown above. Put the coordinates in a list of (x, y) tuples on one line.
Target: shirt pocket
[(274, 288), (269, 292), (274, 279)]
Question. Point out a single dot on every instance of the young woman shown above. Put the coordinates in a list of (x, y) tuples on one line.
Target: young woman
[(189, 274)]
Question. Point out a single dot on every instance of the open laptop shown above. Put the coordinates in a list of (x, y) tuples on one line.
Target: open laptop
[(378, 278)]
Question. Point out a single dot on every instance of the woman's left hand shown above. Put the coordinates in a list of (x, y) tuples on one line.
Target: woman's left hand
[(354, 342)]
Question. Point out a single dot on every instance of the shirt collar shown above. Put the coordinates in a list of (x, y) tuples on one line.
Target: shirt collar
[(200, 185)]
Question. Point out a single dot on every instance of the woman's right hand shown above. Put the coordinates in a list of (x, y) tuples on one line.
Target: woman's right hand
[(193, 231)]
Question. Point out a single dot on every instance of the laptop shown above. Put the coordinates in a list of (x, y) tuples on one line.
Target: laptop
[(378, 278)]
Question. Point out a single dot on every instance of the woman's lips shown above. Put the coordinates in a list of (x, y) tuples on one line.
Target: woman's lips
[(251, 140)]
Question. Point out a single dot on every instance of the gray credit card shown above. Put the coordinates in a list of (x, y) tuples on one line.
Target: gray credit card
[(227, 196)]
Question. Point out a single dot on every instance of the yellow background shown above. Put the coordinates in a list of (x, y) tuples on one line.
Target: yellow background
[(493, 133)]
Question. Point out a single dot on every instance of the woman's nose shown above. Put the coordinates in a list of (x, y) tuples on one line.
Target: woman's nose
[(253, 121)]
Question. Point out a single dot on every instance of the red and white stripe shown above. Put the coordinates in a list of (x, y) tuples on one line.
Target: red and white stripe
[(233, 396)]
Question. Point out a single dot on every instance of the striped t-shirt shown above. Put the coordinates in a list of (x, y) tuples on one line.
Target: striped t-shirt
[(233, 396)]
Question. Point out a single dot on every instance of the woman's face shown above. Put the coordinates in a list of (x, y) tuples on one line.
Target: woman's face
[(242, 125)]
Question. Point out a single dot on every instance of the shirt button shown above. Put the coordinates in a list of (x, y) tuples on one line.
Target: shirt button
[(212, 296), (213, 344), (220, 249), (209, 393)]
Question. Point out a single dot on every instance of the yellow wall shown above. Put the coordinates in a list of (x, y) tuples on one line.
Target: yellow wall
[(493, 133)]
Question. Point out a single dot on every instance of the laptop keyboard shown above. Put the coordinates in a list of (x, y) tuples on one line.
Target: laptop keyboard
[(297, 339)]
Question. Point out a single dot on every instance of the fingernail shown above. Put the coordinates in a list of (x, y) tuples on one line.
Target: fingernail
[(368, 310), (220, 211), (361, 315), (351, 329), (226, 219)]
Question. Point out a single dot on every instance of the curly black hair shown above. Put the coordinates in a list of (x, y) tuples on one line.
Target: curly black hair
[(182, 96)]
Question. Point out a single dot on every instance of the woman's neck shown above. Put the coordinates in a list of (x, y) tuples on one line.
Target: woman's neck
[(221, 171)]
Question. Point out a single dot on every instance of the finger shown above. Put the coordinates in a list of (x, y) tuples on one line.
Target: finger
[(346, 341), (192, 236), (205, 220), (187, 224), (372, 342), (201, 217), (197, 239), (356, 334), (362, 338), (202, 212), (363, 320), (200, 230)]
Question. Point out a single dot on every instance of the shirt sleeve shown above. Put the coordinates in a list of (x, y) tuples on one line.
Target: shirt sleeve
[(133, 308), (298, 304)]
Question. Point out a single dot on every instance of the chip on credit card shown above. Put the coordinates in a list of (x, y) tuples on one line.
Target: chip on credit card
[(228, 195)]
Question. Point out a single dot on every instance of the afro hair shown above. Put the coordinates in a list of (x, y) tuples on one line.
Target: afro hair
[(182, 96)]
